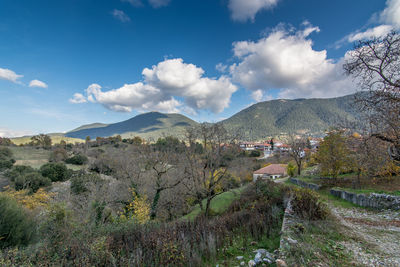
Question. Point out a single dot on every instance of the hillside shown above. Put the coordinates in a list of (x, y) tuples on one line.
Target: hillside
[(274, 117), (148, 125), (89, 126)]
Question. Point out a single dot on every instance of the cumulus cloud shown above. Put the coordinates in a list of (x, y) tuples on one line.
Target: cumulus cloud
[(120, 15), (391, 14), (243, 10), (37, 83), (158, 3), (287, 61), (162, 85), (78, 99), (9, 75)]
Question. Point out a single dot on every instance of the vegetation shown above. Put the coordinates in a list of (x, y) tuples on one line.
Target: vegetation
[(77, 160), (16, 226), (6, 158), (25, 177), (56, 172)]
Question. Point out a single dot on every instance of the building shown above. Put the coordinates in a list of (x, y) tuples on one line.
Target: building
[(272, 171)]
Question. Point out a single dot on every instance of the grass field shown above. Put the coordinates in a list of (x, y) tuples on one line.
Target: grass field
[(219, 204), (55, 140), (30, 156)]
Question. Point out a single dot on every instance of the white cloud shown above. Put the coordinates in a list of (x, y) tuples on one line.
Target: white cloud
[(162, 84), (9, 75), (221, 67), (158, 3), (4, 132), (391, 14), (243, 10), (375, 32), (37, 83), (287, 61), (390, 19), (78, 99), (120, 15)]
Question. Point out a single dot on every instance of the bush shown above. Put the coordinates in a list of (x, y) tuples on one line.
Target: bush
[(255, 153), (77, 160), (58, 155), (80, 180), (25, 177), (307, 205), (6, 160), (55, 172), (16, 226)]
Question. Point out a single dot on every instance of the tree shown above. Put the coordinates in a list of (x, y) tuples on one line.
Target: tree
[(333, 154), (41, 140), (375, 64), (206, 172), (297, 146)]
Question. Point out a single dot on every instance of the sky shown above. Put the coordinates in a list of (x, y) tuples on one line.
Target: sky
[(66, 63)]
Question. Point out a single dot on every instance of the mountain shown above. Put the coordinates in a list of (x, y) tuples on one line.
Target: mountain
[(89, 126), (147, 125), (271, 118), (259, 121)]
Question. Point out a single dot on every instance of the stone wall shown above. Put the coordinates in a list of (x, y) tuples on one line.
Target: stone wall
[(301, 183), (374, 200)]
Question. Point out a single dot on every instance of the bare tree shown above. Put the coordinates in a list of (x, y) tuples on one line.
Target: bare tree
[(296, 151), (375, 64), (206, 171)]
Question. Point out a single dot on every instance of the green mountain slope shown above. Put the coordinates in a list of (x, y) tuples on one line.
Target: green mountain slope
[(274, 117), (148, 125), (89, 126)]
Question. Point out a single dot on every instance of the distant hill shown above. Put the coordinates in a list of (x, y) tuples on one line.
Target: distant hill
[(89, 126), (275, 117), (148, 125)]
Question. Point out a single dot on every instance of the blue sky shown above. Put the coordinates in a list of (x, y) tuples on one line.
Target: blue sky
[(73, 62)]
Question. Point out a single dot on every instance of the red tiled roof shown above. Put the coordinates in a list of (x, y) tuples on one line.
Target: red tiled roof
[(272, 169)]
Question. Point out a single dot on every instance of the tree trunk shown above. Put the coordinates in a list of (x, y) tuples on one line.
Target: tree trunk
[(208, 206), (155, 203)]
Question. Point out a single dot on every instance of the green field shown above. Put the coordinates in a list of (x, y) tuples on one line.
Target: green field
[(30, 156), (219, 204)]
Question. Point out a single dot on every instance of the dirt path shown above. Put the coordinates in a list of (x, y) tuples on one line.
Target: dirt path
[(376, 235)]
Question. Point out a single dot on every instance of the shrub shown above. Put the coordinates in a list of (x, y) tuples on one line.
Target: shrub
[(58, 155), (32, 181), (55, 171), (6, 160), (16, 226), (77, 160), (80, 180), (307, 205), (255, 153), (25, 177)]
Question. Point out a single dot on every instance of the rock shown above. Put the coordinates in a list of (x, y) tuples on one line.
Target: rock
[(251, 263), (292, 241), (242, 263), (280, 263), (261, 251), (267, 260), (253, 243), (239, 258), (257, 258)]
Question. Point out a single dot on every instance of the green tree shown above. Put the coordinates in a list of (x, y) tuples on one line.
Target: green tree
[(333, 154), (41, 140), (55, 171)]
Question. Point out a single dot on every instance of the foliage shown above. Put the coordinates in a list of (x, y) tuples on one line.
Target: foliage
[(41, 140), (333, 154), (39, 199), (16, 226), (58, 155), (138, 208), (291, 169), (255, 153), (306, 204), (80, 180), (6, 158), (77, 160), (5, 141), (56, 172), (25, 177)]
